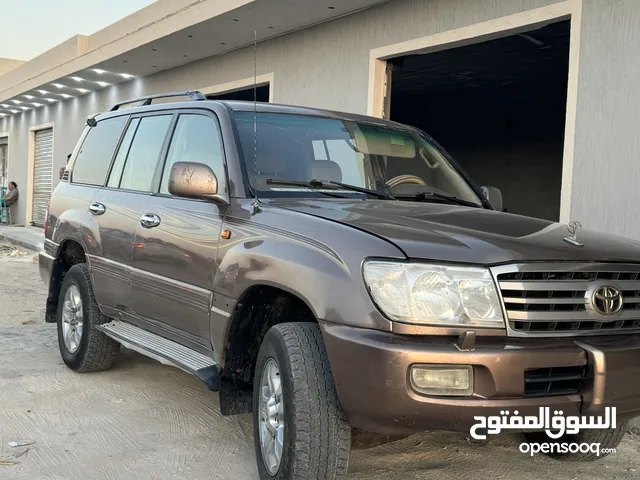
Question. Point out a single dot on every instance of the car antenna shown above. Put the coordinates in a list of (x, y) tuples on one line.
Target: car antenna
[(255, 206)]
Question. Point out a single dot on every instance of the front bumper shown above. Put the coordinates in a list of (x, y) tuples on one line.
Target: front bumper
[(371, 373)]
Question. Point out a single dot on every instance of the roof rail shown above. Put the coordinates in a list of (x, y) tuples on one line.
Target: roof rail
[(192, 95)]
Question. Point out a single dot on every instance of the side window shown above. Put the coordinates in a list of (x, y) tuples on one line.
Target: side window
[(144, 153), (94, 157), (125, 146), (196, 139)]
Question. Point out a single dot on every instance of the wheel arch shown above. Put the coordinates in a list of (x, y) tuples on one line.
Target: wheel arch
[(259, 308), (70, 252)]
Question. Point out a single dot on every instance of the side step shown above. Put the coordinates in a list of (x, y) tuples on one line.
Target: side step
[(164, 351)]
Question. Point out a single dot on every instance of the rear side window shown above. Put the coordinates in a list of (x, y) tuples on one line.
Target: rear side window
[(144, 153), (93, 159), (121, 157)]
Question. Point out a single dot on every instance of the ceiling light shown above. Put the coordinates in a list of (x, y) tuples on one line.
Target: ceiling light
[(82, 90), (99, 71), (36, 104), (125, 75), (43, 92), (17, 102), (58, 85), (77, 79), (66, 95), (30, 97), (103, 84), (15, 111), (51, 100), (6, 106), (25, 108)]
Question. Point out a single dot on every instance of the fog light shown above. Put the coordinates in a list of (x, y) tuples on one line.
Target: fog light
[(444, 380)]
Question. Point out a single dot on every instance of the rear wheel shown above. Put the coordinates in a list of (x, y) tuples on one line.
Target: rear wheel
[(607, 439), (82, 346), (299, 428)]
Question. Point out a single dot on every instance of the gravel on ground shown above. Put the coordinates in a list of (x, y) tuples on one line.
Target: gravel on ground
[(143, 420)]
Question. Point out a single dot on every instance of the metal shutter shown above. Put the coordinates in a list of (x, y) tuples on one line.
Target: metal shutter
[(42, 176)]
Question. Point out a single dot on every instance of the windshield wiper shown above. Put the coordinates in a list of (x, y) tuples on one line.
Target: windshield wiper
[(425, 196), (330, 183)]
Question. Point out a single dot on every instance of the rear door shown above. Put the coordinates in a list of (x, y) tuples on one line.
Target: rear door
[(175, 257), (116, 208)]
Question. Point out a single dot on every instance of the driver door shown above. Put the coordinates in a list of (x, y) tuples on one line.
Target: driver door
[(175, 255)]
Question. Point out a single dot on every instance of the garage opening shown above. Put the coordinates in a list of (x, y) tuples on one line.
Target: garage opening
[(42, 175), (498, 107), (245, 94)]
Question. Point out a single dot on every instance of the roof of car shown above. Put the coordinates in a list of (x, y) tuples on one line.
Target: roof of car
[(262, 107)]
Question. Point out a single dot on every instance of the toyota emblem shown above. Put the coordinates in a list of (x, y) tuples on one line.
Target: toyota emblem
[(607, 300)]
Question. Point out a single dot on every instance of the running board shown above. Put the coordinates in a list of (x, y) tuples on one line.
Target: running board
[(164, 351)]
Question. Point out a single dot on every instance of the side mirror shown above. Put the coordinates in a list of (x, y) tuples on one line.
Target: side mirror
[(193, 180), (494, 196)]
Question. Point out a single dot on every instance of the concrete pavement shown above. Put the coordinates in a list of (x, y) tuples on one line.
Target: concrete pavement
[(25, 237)]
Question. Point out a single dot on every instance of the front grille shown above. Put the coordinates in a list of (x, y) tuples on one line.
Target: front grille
[(547, 382), (555, 299)]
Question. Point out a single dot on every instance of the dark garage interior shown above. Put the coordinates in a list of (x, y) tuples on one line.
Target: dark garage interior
[(246, 94), (499, 108)]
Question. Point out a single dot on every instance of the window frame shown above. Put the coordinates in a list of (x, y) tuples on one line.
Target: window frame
[(161, 155), (83, 139), (172, 130)]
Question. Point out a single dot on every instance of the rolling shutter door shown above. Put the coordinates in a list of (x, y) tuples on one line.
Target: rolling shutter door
[(42, 176)]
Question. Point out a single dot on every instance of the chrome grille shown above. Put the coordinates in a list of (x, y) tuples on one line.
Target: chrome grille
[(555, 299)]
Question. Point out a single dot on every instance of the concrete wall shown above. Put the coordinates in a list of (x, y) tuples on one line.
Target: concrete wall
[(606, 172), (324, 66), (8, 64)]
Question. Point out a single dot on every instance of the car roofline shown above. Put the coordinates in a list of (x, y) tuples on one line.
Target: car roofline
[(259, 107)]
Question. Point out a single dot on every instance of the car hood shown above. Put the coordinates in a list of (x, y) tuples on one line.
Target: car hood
[(464, 234)]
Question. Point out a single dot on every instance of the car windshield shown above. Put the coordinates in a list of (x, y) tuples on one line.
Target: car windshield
[(299, 148)]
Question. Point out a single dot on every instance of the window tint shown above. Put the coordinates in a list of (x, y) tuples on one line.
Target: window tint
[(94, 157), (196, 139), (125, 146), (144, 153)]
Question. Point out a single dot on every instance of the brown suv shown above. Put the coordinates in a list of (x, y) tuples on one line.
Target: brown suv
[(331, 273)]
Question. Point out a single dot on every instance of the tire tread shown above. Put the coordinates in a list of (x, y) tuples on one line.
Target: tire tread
[(101, 350), (322, 433)]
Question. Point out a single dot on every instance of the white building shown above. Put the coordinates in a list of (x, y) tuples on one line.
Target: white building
[(537, 97)]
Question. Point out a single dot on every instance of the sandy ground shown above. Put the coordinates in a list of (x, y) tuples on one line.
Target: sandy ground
[(142, 420)]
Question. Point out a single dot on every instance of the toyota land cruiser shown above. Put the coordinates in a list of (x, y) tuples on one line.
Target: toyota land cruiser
[(332, 274)]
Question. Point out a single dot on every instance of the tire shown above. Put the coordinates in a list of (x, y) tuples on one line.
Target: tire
[(316, 435), (93, 351), (606, 438)]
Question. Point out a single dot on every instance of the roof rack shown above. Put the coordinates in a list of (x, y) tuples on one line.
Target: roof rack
[(192, 95)]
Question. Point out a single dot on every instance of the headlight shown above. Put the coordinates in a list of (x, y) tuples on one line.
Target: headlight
[(437, 295)]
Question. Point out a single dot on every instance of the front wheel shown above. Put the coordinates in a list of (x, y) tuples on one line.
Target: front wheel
[(300, 429)]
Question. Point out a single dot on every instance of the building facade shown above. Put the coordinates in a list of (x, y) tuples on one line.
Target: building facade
[(563, 75)]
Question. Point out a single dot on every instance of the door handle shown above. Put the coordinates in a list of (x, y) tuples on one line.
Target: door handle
[(97, 208), (149, 220)]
